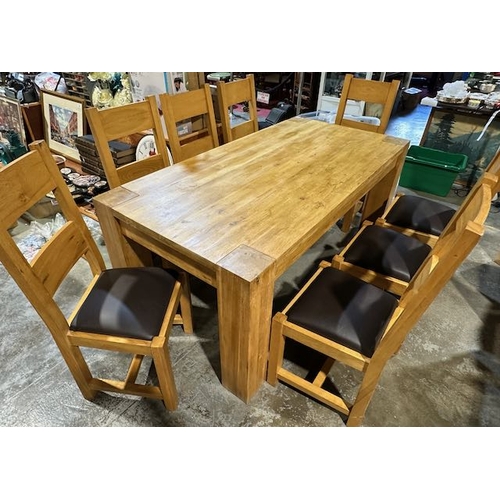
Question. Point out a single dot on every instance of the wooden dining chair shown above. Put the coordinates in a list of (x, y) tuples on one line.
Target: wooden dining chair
[(140, 120), (383, 94), (192, 105), (389, 259), (424, 218), (372, 92), (345, 319), (230, 94), (135, 120), (124, 310)]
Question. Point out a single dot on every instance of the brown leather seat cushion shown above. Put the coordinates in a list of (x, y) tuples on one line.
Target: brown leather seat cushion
[(421, 214), (344, 309), (127, 302), (388, 252)]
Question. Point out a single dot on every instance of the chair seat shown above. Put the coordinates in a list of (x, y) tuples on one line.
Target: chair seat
[(126, 302), (344, 309), (421, 214), (387, 252)]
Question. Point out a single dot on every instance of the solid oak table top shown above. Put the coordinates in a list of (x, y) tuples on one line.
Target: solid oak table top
[(268, 190)]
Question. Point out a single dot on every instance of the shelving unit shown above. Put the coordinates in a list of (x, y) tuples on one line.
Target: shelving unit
[(305, 91), (77, 84)]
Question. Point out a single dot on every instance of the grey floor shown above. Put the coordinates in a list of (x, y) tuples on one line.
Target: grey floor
[(446, 374)]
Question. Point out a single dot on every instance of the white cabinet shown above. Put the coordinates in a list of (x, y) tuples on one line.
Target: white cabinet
[(330, 88)]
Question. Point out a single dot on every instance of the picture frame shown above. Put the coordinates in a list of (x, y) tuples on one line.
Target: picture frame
[(63, 120), (11, 117), (144, 84)]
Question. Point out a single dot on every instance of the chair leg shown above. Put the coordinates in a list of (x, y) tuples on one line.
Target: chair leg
[(164, 372), (79, 369), (185, 303), (186, 309), (365, 393), (348, 218), (276, 350)]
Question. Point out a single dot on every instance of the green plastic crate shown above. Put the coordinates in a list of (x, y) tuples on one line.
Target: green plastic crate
[(431, 170)]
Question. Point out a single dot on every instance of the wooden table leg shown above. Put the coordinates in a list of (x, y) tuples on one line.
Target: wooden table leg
[(122, 252), (385, 190), (245, 288)]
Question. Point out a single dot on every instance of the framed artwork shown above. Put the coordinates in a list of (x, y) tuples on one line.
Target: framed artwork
[(11, 117), (63, 121), (144, 84)]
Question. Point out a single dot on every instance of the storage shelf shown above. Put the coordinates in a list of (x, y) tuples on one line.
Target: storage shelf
[(308, 94), (77, 86)]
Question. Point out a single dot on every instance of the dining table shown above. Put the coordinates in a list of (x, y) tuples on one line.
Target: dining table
[(241, 214)]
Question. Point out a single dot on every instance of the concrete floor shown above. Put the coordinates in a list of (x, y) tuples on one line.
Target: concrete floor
[(446, 374)]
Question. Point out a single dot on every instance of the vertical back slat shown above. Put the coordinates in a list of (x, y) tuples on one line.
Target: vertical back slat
[(184, 106), (24, 183), (232, 93)]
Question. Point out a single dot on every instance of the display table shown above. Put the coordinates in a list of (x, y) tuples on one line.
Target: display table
[(459, 129)]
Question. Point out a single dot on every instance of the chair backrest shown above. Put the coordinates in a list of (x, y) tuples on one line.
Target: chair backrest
[(24, 182), (494, 169), (122, 122), (237, 92), (190, 105), (369, 91), (473, 208)]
